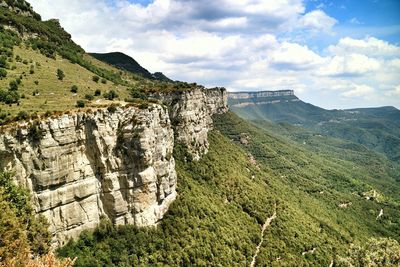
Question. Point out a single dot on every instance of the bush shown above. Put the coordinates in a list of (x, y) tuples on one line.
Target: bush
[(111, 95), (138, 94), (104, 81), (97, 92), (22, 115), (112, 108), (96, 79), (60, 74), (3, 73), (14, 85), (35, 134), (80, 104), (9, 97), (89, 97), (74, 89)]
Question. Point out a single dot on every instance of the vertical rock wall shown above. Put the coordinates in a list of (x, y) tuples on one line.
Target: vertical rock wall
[(119, 165), (191, 115)]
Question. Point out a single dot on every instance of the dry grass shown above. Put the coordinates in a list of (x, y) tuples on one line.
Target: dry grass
[(54, 95)]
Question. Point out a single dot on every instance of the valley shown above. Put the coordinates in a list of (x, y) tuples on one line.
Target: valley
[(104, 163)]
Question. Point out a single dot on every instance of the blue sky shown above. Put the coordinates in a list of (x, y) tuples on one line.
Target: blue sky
[(334, 54)]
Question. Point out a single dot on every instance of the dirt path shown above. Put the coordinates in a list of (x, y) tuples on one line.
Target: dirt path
[(265, 226)]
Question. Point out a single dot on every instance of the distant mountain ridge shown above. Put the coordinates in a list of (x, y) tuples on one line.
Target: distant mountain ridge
[(376, 128), (125, 62)]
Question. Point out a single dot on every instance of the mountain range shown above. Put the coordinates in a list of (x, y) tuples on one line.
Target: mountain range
[(104, 164)]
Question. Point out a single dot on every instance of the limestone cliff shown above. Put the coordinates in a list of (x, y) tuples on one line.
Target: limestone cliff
[(191, 111), (118, 165), (244, 99)]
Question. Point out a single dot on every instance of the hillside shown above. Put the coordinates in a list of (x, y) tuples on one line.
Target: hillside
[(375, 128), (110, 165), (42, 71), (227, 196), (127, 63)]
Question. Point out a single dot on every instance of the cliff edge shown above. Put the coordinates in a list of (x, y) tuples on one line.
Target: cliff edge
[(116, 164)]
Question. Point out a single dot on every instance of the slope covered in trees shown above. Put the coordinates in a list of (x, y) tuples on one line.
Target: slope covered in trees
[(226, 197)]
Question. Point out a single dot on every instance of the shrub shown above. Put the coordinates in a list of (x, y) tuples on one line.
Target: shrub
[(36, 82), (112, 108), (32, 70), (74, 89), (104, 81), (111, 95), (60, 74), (138, 94), (35, 134), (97, 92), (80, 104), (89, 97), (25, 62), (13, 85), (96, 79), (22, 115), (3, 73)]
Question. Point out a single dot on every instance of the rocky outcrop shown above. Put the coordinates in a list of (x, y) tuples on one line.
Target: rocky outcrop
[(245, 99), (260, 94), (191, 115), (119, 164), (88, 165)]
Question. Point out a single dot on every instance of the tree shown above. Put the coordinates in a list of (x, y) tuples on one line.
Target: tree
[(80, 104), (74, 89), (60, 74), (376, 252), (3, 73), (111, 95), (13, 85)]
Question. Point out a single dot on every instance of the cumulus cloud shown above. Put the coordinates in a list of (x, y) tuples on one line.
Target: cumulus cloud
[(359, 91), (369, 46), (350, 65), (293, 56), (395, 92), (317, 20), (243, 45)]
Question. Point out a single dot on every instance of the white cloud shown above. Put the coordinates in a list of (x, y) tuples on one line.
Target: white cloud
[(370, 46), (317, 20), (350, 65), (243, 45), (359, 91), (395, 92), (294, 57)]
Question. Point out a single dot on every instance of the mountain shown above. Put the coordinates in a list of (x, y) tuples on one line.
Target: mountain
[(110, 168), (127, 63), (376, 128)]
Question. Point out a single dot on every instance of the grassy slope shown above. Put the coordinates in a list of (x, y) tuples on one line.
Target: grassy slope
[(225, 198), (54, 95)]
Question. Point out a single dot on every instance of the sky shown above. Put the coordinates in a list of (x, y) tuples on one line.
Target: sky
[(334, 54)]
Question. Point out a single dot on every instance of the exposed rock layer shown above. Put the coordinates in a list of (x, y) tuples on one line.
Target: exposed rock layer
[(82, 166), (191, 112)]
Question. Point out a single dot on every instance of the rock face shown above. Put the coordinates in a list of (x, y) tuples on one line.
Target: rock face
[(244, 99), (260, 94), (191, 112), (118, 165)]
